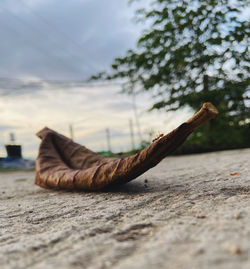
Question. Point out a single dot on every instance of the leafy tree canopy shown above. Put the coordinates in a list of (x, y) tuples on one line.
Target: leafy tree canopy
[(194, 51)]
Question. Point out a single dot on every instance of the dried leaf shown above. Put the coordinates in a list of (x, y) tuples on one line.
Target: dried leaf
[(62, 163)]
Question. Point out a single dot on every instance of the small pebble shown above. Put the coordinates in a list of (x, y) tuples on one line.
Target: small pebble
[(201, 216), (237, 216), (234, 174), (200, 251), (234, 250)]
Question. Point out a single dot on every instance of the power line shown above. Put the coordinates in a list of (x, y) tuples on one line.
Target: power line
[(49, 24), (66, 83), (46, 35), (61, 83), (34, 44)]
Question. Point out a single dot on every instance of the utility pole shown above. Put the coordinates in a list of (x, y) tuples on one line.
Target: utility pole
[(108, 139), (132, 134), (12, 139), (136, 115), (71, 132)]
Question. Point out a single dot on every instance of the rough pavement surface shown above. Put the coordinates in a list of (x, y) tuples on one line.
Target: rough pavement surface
[(188, 212)]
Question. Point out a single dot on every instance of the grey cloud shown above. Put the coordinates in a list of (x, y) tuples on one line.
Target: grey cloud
[(119, 106), (63, 39), (8, 127), (17, 86)]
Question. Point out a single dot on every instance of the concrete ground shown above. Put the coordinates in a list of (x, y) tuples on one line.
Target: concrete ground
[(187, 212)]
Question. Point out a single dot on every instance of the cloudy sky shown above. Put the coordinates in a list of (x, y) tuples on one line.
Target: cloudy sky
[(47, 49)]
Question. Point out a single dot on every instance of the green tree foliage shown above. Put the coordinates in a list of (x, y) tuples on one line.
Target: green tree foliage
[(193, 52)]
